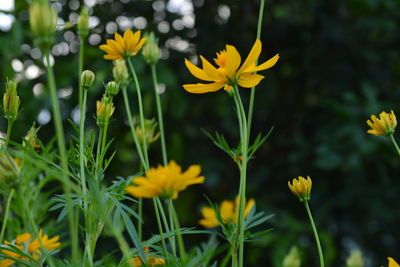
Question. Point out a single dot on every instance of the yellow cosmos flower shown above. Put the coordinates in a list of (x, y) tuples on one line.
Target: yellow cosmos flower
[(229, 212), (123, 47), (385, 125), (165, 181), (32, 246), (229, 72), (301, 187), (151, 261)]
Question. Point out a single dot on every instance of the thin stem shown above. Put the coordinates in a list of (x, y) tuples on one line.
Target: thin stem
[(171, 239), (160, 229), (243, 175), (159, 113), (73, 227), (181, 245), (140, 224), (395, 144), (99, 142), (132, 126), (82, 146), (6, 214), (321, 256), (123, 244), (9, 127), (80, 70), (253, 89), (140, 103)]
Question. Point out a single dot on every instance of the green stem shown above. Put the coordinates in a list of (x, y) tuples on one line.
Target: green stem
[(395, 144), (253, 89), (171, 239), (321, 256), (6, 214), (181, 245), (73, 227), (160, 229), (140, 224), (9, 127), (132, 126), (82, 146), (140, 103), (80, 70), (159, 113), (123, 244), (99, 142), (243, 175)]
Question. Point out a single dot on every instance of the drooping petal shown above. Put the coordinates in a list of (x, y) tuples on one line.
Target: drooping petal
[(201, 88), (249, 80), (266, 65), (196, 71), (252, 57), (233, 60), (211, 71)]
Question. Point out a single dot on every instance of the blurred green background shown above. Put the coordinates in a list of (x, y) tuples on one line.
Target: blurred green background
[(340, 63)]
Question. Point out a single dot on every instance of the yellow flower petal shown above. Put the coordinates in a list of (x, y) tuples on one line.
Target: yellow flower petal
[(252, 57), (201, 88), (233, 60), (392, 262), (196, 71), (266, 65), (211, 71), (249, 80)]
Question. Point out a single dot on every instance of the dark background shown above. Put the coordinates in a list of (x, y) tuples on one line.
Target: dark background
[(339, 64)]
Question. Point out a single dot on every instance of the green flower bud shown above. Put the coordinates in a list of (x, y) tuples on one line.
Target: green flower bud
[(112, 89), (43, 21), (83, 22), (292, 259), (31, 137), (355, 259), (120, 73), (151, 134), (104, 111), (87, 79), (11, 101), (151, 52)]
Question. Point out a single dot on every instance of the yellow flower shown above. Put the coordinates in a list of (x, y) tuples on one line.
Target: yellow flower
[(33, 247), (229, 71), (385, 125), (123, 47), (392, 263), (165, 181), (150, 260), (301, 187), (229, 212)]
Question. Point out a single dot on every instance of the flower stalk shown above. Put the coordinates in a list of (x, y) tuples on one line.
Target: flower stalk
[(395, 144), (6, 214), (314, 228)]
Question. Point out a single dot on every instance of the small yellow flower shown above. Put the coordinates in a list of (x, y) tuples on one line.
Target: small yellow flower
[(150, 260), (165, 181), (229, 71), (123, 47), (385, 125), (229, 212), (301, 187), (392, 262), (104, 110)]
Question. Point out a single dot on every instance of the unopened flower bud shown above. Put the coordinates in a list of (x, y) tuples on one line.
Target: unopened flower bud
[(43, 21), (104, 111), (292, 259), (151, 134), (120, 73), (151, 52), (301, 187), (31, 137), (83, 22), (112, 89), (11, 101), (87, 79), (355, 259)]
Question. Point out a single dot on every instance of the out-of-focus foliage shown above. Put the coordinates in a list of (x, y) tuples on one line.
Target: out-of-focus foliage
[(340, 62)]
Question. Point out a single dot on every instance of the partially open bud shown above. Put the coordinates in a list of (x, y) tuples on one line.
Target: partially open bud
[(112, 89), (11, 101), (9, 170), (151, 134), (104, 111), (292, 259), (301, 187), (151, 52), (83, 22), (31, 137), (87, 79), (43, 21), (120, 73), (355, 259)]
